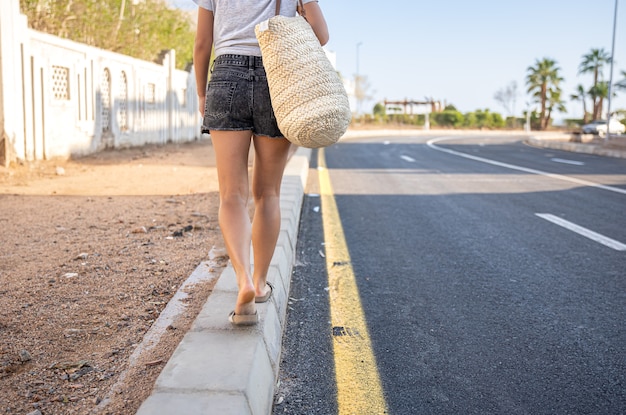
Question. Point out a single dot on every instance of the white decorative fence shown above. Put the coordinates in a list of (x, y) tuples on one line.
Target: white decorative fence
[(60, 98)]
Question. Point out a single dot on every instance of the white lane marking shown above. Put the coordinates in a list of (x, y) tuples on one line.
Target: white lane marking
[(564, 161), (594, 236), (407, 158), (431, 144)]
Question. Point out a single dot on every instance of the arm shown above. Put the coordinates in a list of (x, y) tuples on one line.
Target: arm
[(202, 53), (315, 17)]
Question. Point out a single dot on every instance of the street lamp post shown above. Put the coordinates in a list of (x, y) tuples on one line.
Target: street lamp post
[(357, 81), (608, 114)]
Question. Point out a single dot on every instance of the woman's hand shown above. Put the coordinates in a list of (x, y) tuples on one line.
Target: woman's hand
[(201, 104)]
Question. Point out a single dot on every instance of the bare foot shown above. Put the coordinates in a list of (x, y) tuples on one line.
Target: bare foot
[(245, 300), (262, 289)]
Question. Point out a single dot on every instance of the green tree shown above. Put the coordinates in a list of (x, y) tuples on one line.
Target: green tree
[(469, 120), (379, 113), (555, 103), (379, 110), (581, 95), (448, 118), (594, 62), (599, 92), (483, 119), (497, 121), (142, 29), (542, 78), (621, 84)]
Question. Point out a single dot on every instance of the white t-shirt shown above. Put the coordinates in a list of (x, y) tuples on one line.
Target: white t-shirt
[(234, 22)]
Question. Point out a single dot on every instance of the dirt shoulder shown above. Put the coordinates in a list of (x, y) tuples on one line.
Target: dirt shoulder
[(93, 250)]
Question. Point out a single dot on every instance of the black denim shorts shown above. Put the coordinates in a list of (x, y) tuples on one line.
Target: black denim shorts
[(238, 97)]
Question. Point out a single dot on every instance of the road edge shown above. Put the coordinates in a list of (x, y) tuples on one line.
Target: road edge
[(219, 368), (565, 143)]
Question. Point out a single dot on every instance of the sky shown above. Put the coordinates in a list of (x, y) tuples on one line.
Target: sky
[(462, 53)]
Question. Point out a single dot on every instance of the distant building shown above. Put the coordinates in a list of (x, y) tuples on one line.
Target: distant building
[(410, 107)]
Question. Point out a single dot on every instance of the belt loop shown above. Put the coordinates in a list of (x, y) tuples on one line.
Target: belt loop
[(212, 66)]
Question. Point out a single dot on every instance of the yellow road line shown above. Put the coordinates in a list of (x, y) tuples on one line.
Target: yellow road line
[(359, 390)]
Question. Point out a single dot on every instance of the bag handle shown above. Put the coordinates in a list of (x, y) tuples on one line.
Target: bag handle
[(299, 8)]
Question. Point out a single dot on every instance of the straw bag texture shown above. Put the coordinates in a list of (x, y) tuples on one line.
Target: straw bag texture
[(308, 97)]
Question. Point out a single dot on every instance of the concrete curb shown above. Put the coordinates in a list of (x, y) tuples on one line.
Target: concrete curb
[(557, 144), (221, 369)]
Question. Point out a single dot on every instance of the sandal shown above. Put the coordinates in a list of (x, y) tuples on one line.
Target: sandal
[(266, 296), (243, 319)]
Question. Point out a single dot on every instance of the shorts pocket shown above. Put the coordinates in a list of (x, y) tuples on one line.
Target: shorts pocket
[(219, 99)]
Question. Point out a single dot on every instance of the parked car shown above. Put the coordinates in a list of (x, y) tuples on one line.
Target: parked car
[(599, 127)]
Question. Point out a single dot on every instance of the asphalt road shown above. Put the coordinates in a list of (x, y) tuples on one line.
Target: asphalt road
[(492, 278)]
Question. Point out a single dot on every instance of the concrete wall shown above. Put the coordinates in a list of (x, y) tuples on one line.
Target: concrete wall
[(60, 98)]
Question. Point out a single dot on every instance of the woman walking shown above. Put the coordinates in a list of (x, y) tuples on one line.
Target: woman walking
[(237, 112)]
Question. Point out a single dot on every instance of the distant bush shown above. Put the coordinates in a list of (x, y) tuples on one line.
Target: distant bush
[(450, 117), (483, 119), (447, 118)]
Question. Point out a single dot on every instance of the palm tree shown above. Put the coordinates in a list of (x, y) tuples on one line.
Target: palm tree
[(555, 103), (581, 95), (594, 62), (599, 93), (542, 78)]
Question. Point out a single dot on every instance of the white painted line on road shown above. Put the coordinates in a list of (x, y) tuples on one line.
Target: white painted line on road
[(594, 236), (564, 161), (431, 144), (407, 158)]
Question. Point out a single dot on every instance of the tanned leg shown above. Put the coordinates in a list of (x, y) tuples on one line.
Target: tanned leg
[(271, 156), (231, 155)]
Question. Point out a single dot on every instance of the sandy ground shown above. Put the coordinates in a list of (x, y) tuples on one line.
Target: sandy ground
[(91, 252)]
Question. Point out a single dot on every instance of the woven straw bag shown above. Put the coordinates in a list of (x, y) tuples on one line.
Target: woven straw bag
[(308, 97)]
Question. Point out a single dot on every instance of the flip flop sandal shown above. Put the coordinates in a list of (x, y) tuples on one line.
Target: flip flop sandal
[(243, 319), (266, 296)]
